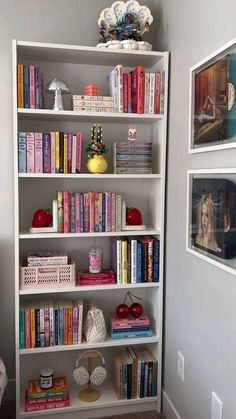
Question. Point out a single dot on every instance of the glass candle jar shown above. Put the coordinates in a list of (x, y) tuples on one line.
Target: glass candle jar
[(95, 259), (46, 378)]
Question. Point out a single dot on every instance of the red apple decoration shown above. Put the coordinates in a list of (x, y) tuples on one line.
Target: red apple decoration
[(42, 218), (136, 310), (133, 216), (122, 311)]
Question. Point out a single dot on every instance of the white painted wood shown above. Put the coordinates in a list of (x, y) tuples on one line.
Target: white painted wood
[(152, 199)]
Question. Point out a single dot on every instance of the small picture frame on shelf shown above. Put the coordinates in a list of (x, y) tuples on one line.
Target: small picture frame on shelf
[(212, 124), (53, 228), (211, 225)]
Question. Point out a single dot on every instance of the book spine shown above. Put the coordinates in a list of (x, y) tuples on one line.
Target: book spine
[(65, 155), (134, 157), (46, 400), (133, 272), (38, 137), (130, 329), (125, 92), (74, 150), (93, 103), (77, 212), (86, 212), (22, 152), (118, 212), (32, 328), (42, 328), (53, 152), (124, 261), (150, 261), (113, 211), (46, 153), (37, 87), (22, 328), (81, 212), (26, 86), (46, 326), (108, 211), (66, 207), (157, 107), (52, 327), (32, 86), (60, 212), (134, 91), (56, 325), (91, 198), (134, 164), (69, 163), (57, 152), (72, 213), (20, 86), (84, 282), (140, 88), (30, 152), (98, 212), (70, 325), (146, 93), (80, 323), (162, 93), (134, 170), (78, 152), (152, 93), (37, 328), (61, 152), (139, 262), (75, 325), (156, 259), (129, 93)]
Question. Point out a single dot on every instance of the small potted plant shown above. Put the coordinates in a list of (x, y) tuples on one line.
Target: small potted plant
[(96, 162)]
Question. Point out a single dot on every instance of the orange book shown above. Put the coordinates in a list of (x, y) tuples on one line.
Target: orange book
[(20, 86), (140, 71), (59, 388)]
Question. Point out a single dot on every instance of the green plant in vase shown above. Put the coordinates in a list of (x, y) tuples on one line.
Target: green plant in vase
[(96, 162)]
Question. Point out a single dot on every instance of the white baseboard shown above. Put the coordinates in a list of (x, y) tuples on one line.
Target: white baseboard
[(168, 408), (10, 390)]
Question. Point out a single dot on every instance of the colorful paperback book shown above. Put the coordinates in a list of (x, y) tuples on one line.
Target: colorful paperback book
[(38, 143), (59, 388), (30, 152), (22, 152), (20, 86)]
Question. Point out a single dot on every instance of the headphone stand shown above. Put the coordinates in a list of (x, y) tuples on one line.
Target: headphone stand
[(89, 394)]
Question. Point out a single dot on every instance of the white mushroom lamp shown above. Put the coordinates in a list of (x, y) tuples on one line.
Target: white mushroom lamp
[(58, 87)]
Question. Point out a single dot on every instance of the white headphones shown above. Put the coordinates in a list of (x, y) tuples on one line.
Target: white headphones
[(82, 376)]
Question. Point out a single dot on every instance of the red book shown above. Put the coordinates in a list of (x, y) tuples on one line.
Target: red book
[(125, 92), (56, 404), (105, 274), (101, 281), (140, 85)]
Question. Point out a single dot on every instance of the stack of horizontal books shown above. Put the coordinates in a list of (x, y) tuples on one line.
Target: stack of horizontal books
[(130, 327), (132, 158), (57, 396)]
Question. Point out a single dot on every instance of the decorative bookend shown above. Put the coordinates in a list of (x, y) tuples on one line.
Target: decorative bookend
[(125, 226), (53, 228)]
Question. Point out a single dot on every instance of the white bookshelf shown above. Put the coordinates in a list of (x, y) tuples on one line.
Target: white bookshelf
[(79, 66)]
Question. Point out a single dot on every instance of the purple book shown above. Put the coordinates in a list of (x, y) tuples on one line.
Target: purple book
[(69, 159), (46, 153)]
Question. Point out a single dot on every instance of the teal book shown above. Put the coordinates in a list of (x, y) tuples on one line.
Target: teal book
[(22, 328), (130, 335)]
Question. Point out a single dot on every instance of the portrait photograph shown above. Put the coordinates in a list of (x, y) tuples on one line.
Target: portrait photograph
[(213, 215)]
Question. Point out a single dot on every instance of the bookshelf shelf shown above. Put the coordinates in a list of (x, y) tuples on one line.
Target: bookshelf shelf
[(108, 399), (91, 288), (107, 343), (101, 117), (78, 66)]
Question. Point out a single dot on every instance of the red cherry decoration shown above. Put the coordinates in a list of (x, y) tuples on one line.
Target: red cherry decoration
[(136, 310), (122, 311), (42, 218), (133, 216)]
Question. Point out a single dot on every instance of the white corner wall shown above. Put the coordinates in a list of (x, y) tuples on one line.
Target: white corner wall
[(59, 21), (200, 312)]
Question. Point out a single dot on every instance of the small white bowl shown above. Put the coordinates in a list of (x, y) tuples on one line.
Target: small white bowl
[(144, 46), (129, 44)]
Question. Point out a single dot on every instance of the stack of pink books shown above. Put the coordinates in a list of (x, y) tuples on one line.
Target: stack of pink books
[(130, 327), (37, 398), (106, 277)]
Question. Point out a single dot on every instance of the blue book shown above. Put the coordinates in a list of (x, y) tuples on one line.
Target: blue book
[(56, 324), (22, 328), (156, 259), (131, 329), (131, 335), (37, 87), (22, 153), (26, 86), (139, 262)]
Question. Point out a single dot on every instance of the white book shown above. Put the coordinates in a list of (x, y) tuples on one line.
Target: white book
[(80, 322), (152, 93), (146, 92)]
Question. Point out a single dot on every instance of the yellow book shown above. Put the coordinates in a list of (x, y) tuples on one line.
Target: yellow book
[(124, 261), (20, 86), (57, 151), (65, 154)]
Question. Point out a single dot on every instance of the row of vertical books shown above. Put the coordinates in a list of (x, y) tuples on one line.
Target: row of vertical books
[(137, 91), (37, 399), (50, 323), (54, 152), (135, 373), (30, 85), (86, 212), (132, 157), (135, 259)]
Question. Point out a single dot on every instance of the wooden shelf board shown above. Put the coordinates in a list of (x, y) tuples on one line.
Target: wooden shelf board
[(92, 288), (107, 399), (69, 115), (108, 343), (147, 232)]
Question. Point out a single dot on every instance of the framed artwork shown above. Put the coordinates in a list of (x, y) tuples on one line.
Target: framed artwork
[(212, 101), (211, 216)]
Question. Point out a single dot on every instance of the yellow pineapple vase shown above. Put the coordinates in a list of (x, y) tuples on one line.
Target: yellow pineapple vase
[(97, 164)]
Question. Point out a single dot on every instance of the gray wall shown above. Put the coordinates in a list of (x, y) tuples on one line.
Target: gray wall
[(59, 21), (200, 298)]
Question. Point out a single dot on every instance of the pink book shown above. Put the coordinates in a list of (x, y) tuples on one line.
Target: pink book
[(78, 152), (84, 282), (45, 406), (53, 152), (74, 150), (86, 212), (66, 200), (75, 323), (77, 212), (98, 212), (38, 155), (108, 211), (116, 322), (105, 274), (113, 211), (32, 86), (125, 92), (91, 211), (30, 152)]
